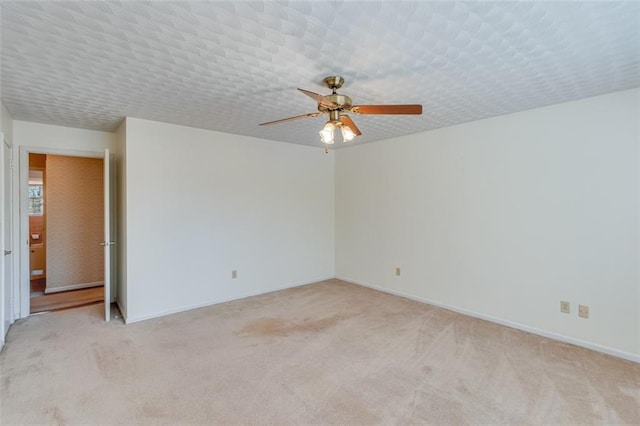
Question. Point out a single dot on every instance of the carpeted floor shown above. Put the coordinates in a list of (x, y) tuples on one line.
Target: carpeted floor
[(325, 353)]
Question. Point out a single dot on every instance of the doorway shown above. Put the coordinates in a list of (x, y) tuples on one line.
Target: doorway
[(66, 225)]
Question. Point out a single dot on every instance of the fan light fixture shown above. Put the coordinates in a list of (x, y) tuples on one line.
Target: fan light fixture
[(335, 122), (327, 132)]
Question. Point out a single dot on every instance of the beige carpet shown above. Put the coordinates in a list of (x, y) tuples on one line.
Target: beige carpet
[(325, 353)]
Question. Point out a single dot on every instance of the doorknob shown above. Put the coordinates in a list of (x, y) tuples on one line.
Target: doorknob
[(7, 252)]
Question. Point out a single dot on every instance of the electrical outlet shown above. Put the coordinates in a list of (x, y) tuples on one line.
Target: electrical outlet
[(397, 272), (565, 307), (234, 274), (583, 311)]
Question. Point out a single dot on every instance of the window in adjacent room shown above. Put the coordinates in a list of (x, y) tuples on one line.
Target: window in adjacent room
[(36, 193)]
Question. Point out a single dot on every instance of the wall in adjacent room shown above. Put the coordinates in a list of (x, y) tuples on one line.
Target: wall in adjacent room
[(505, 217), (74, 211), (200, 204)]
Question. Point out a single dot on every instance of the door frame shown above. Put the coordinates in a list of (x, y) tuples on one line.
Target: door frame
[(25, 281)]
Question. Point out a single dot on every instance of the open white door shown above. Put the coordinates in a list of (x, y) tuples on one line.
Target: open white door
[(109, 241)]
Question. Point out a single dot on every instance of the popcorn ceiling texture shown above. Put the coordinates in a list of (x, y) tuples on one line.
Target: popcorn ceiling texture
[(229, 66)]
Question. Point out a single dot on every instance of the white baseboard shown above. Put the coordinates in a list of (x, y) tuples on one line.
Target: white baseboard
[(540, 332), (73, 287), (132, 320)]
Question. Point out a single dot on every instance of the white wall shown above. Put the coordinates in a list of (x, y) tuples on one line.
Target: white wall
[(201, 203), (6, 123), (8, 287), (47, 138), (505, 217)]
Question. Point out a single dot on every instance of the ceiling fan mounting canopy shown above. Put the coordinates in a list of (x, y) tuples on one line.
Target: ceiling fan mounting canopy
[(337, 105), (334, 82)]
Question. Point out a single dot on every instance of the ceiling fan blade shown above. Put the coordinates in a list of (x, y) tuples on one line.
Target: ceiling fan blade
[(297, 117), (347, 121), (319, 99), (387, 109)]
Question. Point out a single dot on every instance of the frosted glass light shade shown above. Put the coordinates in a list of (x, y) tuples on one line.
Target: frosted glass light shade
[(326, 134), (347, 133)]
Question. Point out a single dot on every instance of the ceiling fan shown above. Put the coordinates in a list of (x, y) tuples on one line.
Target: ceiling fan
[(337, 106)]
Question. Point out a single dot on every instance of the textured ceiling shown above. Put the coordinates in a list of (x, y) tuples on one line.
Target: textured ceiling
[(228, 66)]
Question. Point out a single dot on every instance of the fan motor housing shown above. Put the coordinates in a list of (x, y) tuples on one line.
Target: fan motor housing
[(343, 102)]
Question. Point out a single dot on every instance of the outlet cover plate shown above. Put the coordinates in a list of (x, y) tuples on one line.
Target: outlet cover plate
[(583, 311)]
